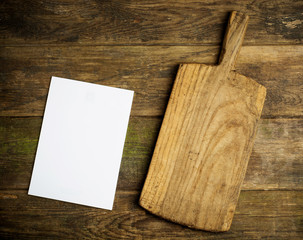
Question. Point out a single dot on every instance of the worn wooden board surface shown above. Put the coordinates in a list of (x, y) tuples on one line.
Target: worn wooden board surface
[(275, 215), (146, 22), (201, 155), (205, 141), (148, 70), (268, 167), (138, 45)]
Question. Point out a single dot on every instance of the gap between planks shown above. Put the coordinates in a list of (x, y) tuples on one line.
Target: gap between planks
[(131, 192), (265, 117), (137, 192), (143, 45)]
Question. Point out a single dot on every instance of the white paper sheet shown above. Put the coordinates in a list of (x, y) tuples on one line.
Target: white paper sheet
[(81, 143)]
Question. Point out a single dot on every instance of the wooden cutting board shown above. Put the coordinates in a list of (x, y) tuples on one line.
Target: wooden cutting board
[(205, 141)]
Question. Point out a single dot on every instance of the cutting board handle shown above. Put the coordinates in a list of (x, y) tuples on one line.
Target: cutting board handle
[(233, 39)]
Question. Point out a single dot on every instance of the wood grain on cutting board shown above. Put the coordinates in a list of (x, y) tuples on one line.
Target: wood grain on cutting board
[(205, 140)]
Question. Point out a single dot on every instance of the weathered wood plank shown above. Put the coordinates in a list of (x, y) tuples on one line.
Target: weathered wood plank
[(259, 214), (150, 71), (146, 22), (275, 163)]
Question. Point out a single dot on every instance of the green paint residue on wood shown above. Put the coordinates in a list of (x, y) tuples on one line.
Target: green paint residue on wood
[(141, 137), (266, 131)]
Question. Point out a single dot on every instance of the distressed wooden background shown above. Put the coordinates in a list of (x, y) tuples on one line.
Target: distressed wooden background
[(138, 45)]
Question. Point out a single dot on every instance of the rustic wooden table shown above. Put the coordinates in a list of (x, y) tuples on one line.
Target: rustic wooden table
[(138, 45)]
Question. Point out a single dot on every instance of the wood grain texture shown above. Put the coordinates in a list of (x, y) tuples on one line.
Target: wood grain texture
[(145, 22), (148, 70), (275, 162), (202, 150), (205, 141), (260, 214), (143, 42)]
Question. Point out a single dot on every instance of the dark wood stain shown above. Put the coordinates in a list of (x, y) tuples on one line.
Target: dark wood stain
[(27, 217), (139, 45), (148, 70), (133, 22)]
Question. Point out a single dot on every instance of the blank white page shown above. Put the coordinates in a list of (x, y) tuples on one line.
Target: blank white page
[(81, 143)]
